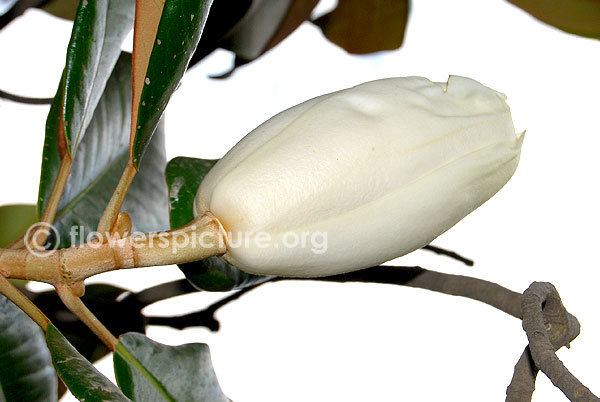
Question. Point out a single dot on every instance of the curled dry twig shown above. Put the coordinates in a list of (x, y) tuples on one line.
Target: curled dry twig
[(547, 323), (522, 384), (549, 327)]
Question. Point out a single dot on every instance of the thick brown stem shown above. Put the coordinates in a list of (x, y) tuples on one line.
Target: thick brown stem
[(200, 239)]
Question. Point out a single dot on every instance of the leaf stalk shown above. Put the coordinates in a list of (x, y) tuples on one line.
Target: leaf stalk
[(109, 216), (40, 236), (21, 301), (77, 307)]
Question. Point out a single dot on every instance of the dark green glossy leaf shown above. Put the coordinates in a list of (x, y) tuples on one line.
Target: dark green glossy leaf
[(178, 33), (51, 158), (150, 371), (249, 32), (223, 16), (184, 176), (98, 164), (14, 222), (98, 32), (362, 27), (250, 37), (26, 372), (580, 17), (213, 274), (81, 377)]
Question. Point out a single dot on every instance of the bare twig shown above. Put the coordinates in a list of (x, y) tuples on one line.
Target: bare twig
[(455, 285), (206, 317), (549, 326), (25, 99), (522, 384), (563, 326), (417, 277), (449, 253)]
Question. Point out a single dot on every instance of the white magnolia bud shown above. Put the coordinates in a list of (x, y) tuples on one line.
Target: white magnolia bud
[(360, 176)]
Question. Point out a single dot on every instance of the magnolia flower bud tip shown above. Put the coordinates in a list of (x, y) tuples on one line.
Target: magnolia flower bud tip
[(360, 176)]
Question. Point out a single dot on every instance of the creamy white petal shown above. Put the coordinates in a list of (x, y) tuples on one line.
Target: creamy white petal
[(382, 168)]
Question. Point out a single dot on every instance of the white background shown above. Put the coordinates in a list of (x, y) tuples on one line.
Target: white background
[(358, 342)]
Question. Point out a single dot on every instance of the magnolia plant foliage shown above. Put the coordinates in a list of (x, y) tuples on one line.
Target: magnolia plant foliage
[(334, 185)]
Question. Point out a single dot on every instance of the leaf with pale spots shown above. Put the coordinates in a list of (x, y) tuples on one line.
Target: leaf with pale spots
[(166, 34)]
